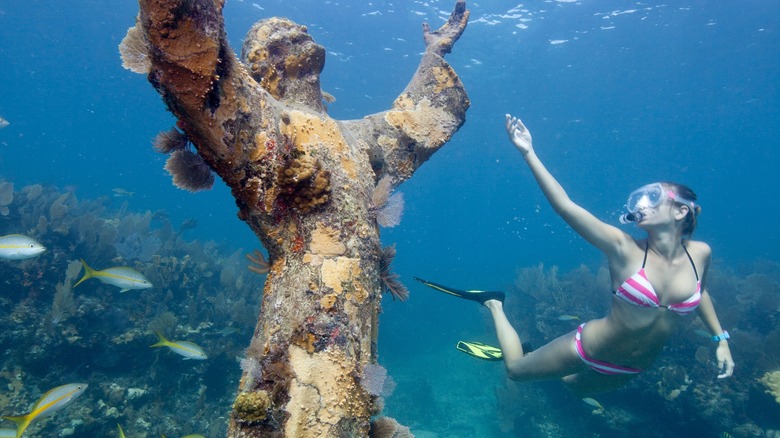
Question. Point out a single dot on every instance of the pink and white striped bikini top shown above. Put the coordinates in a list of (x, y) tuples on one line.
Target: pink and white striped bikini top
[(638, 291)]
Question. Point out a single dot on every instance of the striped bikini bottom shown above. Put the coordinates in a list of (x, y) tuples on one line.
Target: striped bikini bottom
[(595, 364)]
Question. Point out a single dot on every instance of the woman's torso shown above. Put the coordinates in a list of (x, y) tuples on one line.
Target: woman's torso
[(633, 335)]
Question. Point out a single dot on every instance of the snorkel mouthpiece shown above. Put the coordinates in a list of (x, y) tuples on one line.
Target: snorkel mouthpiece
[(627, 218)]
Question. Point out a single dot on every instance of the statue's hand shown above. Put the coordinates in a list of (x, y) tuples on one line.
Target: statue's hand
[(441, 40)]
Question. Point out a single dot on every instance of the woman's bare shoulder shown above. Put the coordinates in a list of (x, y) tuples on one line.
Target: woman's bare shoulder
[(700, 251), (699, 247)]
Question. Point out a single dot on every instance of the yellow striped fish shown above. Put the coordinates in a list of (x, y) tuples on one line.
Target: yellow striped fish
[(121, 432), (184, 348), (54, 400), (593, 402), (19, 247), (7, 433), (121, 276)]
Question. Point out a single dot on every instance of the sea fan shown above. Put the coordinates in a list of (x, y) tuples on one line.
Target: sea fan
[(168, 141), (374, 377), (389, 215), (386, 427), (381, 192), (189, 171), (390, 282), (387, 209), (134, 50)]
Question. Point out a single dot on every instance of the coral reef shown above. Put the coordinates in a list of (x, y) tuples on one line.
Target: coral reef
[(772, 382), (51, 334), (6, 196)]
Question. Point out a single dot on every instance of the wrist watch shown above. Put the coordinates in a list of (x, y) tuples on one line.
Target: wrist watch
[(721, 337)]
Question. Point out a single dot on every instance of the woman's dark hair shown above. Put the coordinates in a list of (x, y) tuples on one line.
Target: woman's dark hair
[(685, 192)]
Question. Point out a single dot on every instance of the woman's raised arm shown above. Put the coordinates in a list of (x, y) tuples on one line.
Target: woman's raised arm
[(606, 237)]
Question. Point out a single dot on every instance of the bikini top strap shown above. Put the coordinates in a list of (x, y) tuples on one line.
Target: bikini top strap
[(647, 245), (691, 259)]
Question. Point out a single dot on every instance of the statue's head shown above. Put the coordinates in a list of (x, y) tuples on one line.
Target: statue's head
[(284, 59)]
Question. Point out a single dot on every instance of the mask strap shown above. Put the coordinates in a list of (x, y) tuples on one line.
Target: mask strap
[(690, 204)]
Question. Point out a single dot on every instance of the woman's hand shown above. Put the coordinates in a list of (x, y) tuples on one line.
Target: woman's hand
[(725, 362), (519, 135)]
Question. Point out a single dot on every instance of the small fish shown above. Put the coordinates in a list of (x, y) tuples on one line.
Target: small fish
[(7, 433), (226, 331), (194, 435), (327, 97), (184, 348), (568, 318), (54, 400), (119, 192), (121, 276), (4, 122), (593, 403), (19, 247), (121, 432)]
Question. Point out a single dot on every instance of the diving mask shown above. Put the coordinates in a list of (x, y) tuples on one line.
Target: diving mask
[(647, 197)]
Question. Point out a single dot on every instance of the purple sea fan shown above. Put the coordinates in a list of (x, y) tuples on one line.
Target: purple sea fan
[(168, 141), (374, 376), (189, 171), (389, 215)]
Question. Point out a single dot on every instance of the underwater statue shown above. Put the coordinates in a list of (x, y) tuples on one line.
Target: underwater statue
[(305, 183)]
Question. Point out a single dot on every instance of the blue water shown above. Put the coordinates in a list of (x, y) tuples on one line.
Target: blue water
[(616, 94)]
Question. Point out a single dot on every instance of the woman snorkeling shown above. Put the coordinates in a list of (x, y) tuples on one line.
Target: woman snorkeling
[(656, 281)]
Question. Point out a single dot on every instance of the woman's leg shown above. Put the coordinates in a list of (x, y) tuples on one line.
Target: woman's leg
[(554, 360)]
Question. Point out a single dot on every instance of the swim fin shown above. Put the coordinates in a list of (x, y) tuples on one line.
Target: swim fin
[(480, 350), (479, 296)]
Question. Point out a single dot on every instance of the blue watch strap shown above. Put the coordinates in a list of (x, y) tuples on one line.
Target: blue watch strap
[(721, 337)]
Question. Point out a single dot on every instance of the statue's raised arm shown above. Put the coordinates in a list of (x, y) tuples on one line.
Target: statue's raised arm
[(425, 115)]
